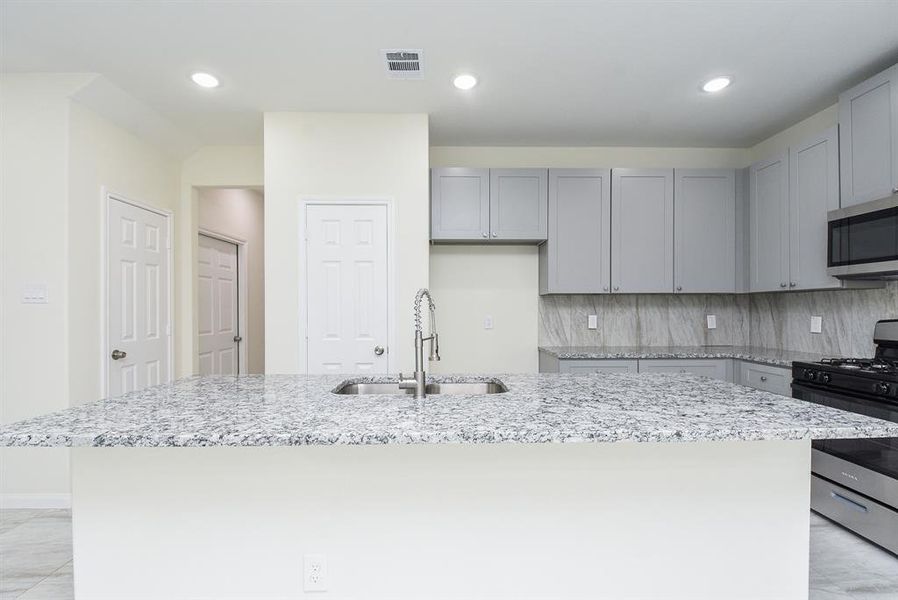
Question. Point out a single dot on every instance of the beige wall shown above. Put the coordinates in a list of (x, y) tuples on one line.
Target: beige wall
[(341, 156), (210, 166), (55, 158), (239, 214), (471, 281)]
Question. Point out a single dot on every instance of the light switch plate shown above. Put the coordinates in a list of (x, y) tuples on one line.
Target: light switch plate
[(35, 293), (592, 321), (488, 322), (816, 324), (712, 321)]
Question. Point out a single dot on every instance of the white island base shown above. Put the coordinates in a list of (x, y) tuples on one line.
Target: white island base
[(563, 521)]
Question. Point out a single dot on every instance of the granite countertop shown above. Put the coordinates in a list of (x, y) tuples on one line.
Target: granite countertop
[(295, 410), (766, 356)]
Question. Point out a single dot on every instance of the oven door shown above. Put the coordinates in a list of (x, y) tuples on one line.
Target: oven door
[(863, 239), (877, 454)]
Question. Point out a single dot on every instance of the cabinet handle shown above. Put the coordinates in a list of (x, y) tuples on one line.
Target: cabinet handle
[(495, 234), (485, 234), (895, 190), (763, 378), (792, 284), (782, 285), (616, 288), (604, 288), (679, 288)]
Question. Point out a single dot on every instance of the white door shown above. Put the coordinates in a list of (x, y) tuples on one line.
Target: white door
[(138, 326), (218, 324), (346, 267)]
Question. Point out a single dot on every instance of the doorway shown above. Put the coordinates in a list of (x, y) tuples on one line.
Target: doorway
[(229, 300)]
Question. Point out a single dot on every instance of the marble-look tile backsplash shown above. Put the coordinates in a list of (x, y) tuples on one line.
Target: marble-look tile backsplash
[(784, 320), (643, 319), (780, 321)]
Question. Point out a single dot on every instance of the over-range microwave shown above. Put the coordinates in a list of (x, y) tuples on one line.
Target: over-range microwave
[(863, 240)]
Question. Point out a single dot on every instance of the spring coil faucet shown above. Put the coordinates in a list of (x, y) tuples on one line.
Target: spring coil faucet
[(418, 381)]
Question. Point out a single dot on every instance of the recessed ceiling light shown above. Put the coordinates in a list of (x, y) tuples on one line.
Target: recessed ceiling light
[(716, 84), (205, 80), (465, 82)]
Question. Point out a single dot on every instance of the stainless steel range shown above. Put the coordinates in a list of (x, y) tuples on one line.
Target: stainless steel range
[(855, 482)]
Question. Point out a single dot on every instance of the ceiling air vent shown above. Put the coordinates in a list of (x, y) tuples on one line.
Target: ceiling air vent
[(404, 64)]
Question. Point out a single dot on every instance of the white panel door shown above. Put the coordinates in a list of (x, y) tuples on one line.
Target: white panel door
[(217, 319), (138, 299), (346, 270)]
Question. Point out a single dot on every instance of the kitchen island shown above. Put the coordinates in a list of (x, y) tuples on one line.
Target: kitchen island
[(599, 486)]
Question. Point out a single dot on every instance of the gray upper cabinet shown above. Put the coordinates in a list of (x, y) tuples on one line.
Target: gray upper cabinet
[(576, 259), (705, 230), (642, 225), (769, 224), (813, 191), (868, 120), (518, 204), (460, 204)]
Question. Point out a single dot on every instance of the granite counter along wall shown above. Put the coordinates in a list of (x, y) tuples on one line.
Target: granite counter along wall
[(780, 321)]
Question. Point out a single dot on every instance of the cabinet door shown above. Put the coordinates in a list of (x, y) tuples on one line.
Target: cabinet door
[(868, 120), (705, 230), (587, 367), (813, 191), (576, 258), (642, 230), (518, 204), (713, 368), (769, 216), (459, 204)]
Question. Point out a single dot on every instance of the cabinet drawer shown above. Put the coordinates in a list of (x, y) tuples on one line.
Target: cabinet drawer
[(713, 368), (859, 514), (764, 377), (584, 366)]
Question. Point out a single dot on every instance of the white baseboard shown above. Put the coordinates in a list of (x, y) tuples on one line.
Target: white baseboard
[(8, 501)]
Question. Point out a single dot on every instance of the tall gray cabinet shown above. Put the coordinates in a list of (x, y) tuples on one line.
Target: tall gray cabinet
[(868, 119), (642, 207), (576, 258), (704, 230), (769, 224)]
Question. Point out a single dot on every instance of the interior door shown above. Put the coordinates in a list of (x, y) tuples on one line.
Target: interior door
[(218, 324), (138, 330), (347, 288)]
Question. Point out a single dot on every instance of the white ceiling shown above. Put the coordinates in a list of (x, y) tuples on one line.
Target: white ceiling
[(551, 73)]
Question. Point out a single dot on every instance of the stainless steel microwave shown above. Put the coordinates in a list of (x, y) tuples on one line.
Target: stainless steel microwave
[(863, 240)]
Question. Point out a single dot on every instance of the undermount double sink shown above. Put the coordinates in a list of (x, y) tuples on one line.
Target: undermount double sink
[(472, 388)]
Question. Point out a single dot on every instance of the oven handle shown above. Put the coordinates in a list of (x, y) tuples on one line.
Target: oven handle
[(856, 506)]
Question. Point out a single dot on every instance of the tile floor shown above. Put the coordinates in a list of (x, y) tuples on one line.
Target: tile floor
[(36, 560)]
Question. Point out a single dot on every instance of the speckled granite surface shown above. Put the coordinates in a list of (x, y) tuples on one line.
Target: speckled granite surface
[(288, 410), (766, 356)]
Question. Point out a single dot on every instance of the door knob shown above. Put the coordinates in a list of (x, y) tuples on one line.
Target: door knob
[(238, 339), (118, 354), (378, 350)]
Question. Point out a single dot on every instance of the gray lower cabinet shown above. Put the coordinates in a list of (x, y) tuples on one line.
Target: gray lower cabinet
[(769, 224), (868, 119), (459, 204), (576, 258), (813, 191), (714, 368), (642, 226), (518, 204), (765, 377), (705, 230)]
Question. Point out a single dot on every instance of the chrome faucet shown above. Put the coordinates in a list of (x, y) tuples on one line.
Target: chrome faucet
[(417, 381)]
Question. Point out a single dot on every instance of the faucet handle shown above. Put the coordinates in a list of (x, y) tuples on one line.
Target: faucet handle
[(434, 348)]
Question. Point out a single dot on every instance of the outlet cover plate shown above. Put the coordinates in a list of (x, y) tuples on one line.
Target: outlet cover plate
[(816, 324), (314, 573), (592, 321), (712, 321)]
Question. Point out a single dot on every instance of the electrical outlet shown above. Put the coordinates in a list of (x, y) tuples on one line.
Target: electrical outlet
[(592, 321), (816, 324), (488, 322), (314, 573), (35, 293), (712, 321)]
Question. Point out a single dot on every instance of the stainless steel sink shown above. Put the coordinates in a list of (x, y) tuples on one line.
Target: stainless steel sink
[(461, 387)]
